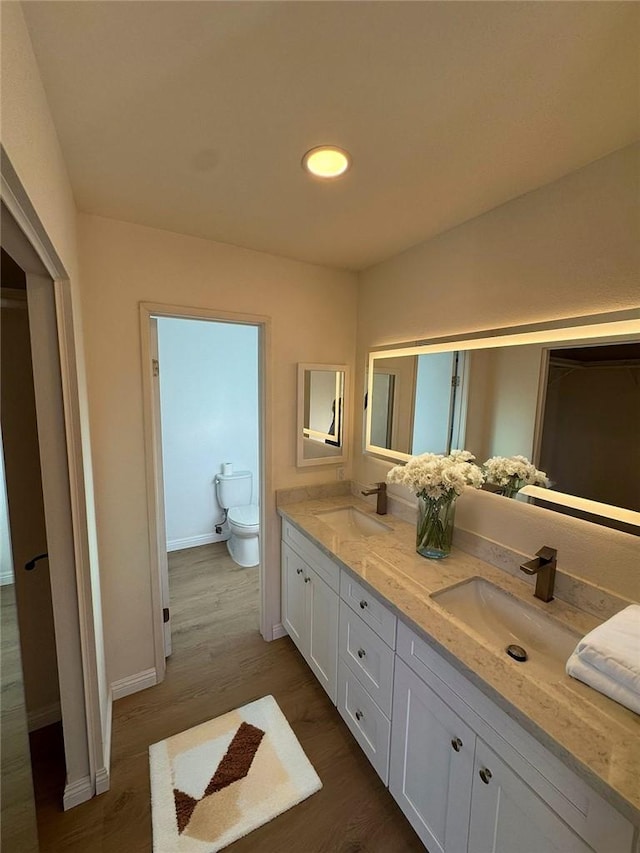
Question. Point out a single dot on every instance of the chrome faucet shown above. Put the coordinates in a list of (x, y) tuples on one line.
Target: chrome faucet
[(543, 566), (381, 492)]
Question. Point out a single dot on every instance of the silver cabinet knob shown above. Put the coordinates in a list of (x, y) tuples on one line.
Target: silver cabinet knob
[(307, 580), (456, 743), (364, 604), (361, 653), (359, 715), (485, 775), (298, 571)]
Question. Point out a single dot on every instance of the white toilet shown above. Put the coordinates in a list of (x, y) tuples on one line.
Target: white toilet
[(234, 495)]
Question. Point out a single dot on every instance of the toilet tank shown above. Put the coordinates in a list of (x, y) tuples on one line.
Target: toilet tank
[(234, 489)]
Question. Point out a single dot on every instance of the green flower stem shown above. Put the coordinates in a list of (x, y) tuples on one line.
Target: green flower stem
[(435, 523), (511, 489)]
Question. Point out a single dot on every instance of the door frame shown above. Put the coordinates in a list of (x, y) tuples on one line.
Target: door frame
[(154, 478), (87, 729)]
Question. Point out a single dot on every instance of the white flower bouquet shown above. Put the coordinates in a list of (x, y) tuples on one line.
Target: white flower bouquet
[(437, 480), (512, 473)]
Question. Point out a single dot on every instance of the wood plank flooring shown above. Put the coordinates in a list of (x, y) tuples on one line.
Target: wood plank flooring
[(220, 662), (17, 810)]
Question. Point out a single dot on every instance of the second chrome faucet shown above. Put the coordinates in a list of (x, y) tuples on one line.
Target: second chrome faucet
[(381, 491)]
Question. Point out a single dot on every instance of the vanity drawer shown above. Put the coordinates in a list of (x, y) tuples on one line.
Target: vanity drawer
[(369, 608), (317, 559), (369, 657), (367, 723)]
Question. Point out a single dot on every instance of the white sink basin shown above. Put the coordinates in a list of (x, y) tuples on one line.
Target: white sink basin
[(351, 523), (502, 620)]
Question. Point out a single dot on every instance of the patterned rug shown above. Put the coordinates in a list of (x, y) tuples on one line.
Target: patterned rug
[(218, 781)]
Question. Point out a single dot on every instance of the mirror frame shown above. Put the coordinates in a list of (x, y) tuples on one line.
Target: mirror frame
[(611, 327), (336, 459)]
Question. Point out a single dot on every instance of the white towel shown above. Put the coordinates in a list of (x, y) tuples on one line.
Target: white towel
[(608, 658), (602, 683)]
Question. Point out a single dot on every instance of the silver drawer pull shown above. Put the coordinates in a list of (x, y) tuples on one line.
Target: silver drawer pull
[(364, 604), (361, 653), (298, 571), (456, 743), (307, 580), (359, 715), (485, 775)]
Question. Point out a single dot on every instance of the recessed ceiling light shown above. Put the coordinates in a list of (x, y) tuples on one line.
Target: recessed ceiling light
[(326, 161)]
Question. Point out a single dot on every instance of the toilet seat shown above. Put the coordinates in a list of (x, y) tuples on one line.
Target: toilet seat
[(245, 517)]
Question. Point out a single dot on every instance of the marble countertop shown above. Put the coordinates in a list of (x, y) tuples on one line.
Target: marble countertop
[(594, 736)]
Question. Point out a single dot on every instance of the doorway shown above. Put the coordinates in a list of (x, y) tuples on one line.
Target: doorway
[(208, 390), (64, 485), (204, 392)]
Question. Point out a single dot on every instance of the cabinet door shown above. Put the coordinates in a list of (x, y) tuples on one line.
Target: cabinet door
[(507, 815), (322, 626), (431, 764), (294, 571)]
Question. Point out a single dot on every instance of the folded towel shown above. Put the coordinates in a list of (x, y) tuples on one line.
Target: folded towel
[(610, 655), (583, 671)]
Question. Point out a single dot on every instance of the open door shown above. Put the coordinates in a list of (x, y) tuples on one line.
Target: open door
[(161, 530)]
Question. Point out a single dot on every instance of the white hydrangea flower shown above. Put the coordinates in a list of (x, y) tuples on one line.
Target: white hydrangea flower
[(514, 470), (432, 475)]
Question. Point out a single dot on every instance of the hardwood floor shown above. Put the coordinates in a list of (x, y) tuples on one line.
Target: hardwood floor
[(219, 662), (17, 811)]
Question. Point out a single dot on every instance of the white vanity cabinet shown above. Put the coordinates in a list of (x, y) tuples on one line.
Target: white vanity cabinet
[(504, 809), (466, 775), (431, 764), (310, 606), (456, 792), (471, 780)]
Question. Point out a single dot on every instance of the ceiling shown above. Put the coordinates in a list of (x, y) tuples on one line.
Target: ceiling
[(194, 116)]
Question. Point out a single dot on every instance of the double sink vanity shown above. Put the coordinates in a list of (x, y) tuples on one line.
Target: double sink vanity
[(481, 751)]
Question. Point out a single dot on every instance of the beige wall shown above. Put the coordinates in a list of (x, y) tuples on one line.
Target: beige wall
[(567, 249), (29, 139), (313, 319)]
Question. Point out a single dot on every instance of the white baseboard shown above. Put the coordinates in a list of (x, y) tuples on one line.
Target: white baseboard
[(6, 578), (77, 792), (279, 631), (41, 717), (194, 541), (134, 683), (103, 781), (103, 774)]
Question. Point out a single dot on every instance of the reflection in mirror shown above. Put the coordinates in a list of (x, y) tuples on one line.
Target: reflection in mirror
[(417, 402), (570, 406), (321, 414), (589, 436)]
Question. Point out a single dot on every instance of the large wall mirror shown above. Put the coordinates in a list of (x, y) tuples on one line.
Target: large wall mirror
[(322, 401), (566, 396)]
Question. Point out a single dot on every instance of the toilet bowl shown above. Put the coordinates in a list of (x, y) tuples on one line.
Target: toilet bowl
[(234, 494), (243, 542)]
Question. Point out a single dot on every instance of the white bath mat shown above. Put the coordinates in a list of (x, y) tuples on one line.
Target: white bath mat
[(218, 781)]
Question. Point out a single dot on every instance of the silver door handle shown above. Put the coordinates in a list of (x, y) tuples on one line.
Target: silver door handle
[(363, 604), (456, 743), (361, 653), (307, 580), (359, 715), (298, 571)]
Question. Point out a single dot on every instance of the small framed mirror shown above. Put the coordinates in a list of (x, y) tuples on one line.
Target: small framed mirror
[(322, 410)]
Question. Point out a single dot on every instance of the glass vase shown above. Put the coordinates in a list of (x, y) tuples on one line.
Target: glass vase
[(512, 487), (435, 526)]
